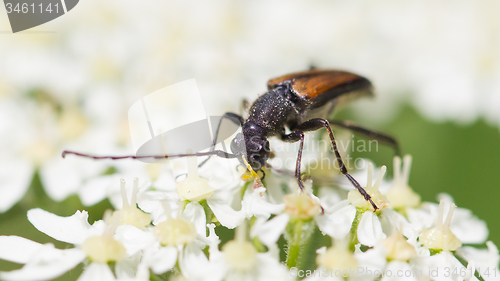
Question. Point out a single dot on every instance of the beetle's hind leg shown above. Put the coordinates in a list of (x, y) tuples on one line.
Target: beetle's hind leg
[(384, 138), (316, 124)]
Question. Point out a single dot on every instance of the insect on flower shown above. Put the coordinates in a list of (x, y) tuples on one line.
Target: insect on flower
[(301, 102)]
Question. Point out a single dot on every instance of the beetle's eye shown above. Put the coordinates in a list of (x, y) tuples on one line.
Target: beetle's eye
[(255, 157)]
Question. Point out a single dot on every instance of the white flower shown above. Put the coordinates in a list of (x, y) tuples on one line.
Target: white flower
[(485, 260), (42, 262), (464, 225), (194, 190), (240, 260), (440, 237), (400, 195), (94, 242), (300, 205), (442, 266), (256, 203), (390, 256), (178, 239), (129, 213), (369, 228)]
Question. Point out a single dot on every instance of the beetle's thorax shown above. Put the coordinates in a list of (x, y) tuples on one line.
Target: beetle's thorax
[(271, 111)]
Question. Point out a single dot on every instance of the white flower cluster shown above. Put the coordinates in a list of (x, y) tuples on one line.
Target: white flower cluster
[(172, 232)]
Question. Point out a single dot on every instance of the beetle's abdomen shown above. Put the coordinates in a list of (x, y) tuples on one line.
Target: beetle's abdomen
[(321, 86)]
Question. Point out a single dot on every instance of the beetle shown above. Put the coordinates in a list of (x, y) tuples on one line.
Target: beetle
[(300, 102)]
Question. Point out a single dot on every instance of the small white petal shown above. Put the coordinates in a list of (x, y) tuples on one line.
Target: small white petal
[(17, 249), (126, 268), (423, 217), (162, 260), (256, 205), (74, 229), (270, 269), (151, 203), (370, 229), (97, 272), (96, 189), (373, 259), (60, 179), (15, 178), (194, 264), (338, 223), (270, 231), (133, 239), (226, 215), (484, 259), (321, 250), (329, 197), (195, 213), (48, 263), (398, 220), (468, 228), (442, 266)]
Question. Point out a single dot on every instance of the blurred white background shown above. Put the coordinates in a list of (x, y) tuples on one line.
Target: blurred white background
[(69, 83)]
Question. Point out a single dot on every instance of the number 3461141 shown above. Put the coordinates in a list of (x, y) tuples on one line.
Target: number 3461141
[(32, 8)]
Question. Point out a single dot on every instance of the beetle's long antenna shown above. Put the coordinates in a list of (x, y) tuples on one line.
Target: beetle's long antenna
[(218, 153)]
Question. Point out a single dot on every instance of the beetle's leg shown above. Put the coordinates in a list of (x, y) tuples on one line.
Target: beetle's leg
[(374, 135), (236, 119), (318, 123), (294, 137)]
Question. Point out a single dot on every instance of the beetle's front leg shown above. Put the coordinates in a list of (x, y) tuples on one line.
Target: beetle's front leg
[(318, 123), (295, 137)]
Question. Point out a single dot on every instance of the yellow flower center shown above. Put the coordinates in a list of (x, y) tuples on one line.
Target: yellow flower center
[(401, 195), (130, 214), (301, 205), (358, 201), (194, 188), (398, 248), (175, 232), (240, 255), (337, 258), (103, 249), (440, 237)]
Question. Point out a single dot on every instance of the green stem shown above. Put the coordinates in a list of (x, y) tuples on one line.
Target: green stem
[(209, 215), (353, 233), (294, 243), (298, 233)]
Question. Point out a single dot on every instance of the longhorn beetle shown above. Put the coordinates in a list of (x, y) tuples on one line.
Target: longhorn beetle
[(300, 102)]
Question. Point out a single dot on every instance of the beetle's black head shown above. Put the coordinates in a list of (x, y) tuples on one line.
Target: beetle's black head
[(252, 144)]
